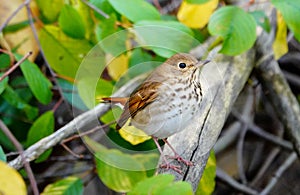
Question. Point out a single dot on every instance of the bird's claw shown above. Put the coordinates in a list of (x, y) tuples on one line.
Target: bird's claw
[(173, 167), (180, 159)]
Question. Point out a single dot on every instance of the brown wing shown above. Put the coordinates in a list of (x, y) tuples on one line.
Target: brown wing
[(138, 100)]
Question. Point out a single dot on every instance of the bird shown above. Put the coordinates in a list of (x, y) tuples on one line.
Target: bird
[(166, 102)]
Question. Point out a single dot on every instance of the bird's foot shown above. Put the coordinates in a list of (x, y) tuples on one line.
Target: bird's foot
[(180, 159), (167, 165)]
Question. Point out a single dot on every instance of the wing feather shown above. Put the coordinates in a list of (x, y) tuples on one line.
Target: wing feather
[(145, 95)]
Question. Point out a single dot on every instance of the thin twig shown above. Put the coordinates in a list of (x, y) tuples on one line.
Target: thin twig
[(247, 112), (233, 183), (19, 147), (260, 132), (157, 5), (70, 151), (58, 103), (96, 9), (69, 158), (16, 65), (240, 160), (292, 78), (87, 132), (230, 135), (63, 142), (13, 14), (287, 163), (271, 156), (35, 35)]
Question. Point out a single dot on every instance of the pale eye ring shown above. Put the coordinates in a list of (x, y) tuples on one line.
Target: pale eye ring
[(182, 65)]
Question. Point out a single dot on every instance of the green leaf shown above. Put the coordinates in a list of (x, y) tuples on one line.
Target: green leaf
[(103, 5), (4, 60), (180, 187), (67, 186), (149, 161), (38, 83), (136, 10), (16, 101), (2, 155), (207, 182), (20, 86), (236, 27), (161, 185), (106, 27), (71, 22), (50, 9), (140, 62), (5, 142), (139, 56), (3, 83), (118, 170), (41, 128), (261, 19), (16, 26), (196, 1), (70, 94), (290, 10), (165, 38), (63, 53), (88, 91), (112, 39), (88, 23), (113, 114)]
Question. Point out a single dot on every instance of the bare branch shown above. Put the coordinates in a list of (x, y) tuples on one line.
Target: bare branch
[(236, 185), (80, 122), (278, 91), (260, 132), (99, 11), (16, 65), (287, 163)]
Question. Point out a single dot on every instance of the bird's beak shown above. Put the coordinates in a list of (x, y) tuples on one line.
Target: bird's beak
[(202, 63)]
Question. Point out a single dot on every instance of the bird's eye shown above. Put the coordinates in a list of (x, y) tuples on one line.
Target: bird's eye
[(182, 65)]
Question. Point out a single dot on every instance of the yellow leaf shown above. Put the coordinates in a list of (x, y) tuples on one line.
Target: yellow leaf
[(133, 135), (196, 15), (117, 66), (23, 39), (11, 181), (280, 46)]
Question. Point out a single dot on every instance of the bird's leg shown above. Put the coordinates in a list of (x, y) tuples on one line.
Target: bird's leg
[(167, 164), (177, 156)]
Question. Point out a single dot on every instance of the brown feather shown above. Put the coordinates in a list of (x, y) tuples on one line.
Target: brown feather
[(138, 100)]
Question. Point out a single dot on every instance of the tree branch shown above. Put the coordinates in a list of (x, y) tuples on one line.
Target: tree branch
[(80, 122), (277, 89)]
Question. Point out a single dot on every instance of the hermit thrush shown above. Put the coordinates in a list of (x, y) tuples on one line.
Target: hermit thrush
[(166, 101)]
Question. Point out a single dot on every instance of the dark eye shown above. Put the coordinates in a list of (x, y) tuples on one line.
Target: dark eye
[(182, 65)]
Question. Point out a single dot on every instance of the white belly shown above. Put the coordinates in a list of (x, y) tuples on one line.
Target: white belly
[(162, 121)]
